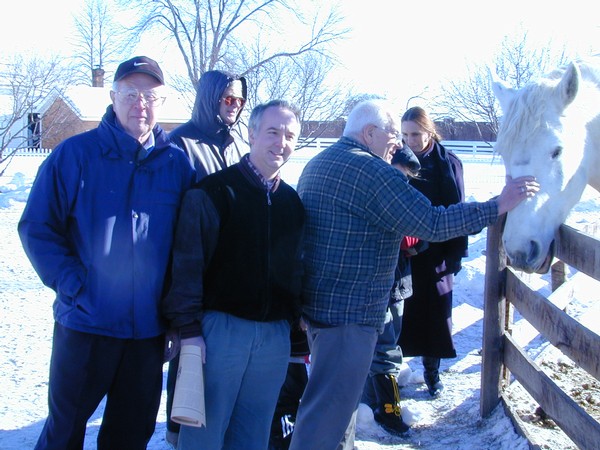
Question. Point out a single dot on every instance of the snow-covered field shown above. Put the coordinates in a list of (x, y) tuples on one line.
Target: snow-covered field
[(450, 421)]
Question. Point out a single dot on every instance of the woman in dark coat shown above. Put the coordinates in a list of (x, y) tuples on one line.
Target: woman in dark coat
[(427, 322)]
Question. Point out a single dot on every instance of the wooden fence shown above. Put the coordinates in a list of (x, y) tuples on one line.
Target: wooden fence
[(503, 356)]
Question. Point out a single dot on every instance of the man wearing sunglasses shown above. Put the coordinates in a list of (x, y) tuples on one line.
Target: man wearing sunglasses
[(212, 140), (212, 136)]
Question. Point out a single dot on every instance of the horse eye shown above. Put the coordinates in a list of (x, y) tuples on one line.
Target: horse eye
[(557, 152)]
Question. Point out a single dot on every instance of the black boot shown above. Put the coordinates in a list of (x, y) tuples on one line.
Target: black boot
[(431, 374), (388, 411)]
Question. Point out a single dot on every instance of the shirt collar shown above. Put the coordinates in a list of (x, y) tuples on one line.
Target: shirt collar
[(150, 142), (270, 185)]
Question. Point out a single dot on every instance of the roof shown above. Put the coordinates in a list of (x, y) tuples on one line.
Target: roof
[(90, 103)]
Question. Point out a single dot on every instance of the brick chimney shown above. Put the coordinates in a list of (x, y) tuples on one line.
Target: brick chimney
[(97, 77)]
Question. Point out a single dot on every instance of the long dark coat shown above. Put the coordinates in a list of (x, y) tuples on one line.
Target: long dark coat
[(427, 321)]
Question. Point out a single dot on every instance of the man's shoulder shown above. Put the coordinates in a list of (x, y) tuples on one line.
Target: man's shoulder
[(84, 136), (185, 130), (348, 158), (78, 143), (288, 190), (220, 177)]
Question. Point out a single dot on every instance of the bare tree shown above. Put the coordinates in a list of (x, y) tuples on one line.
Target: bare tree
[(99, 40), (301, 80), (26, 84), (519, 62), (472, 100), (242, 36)]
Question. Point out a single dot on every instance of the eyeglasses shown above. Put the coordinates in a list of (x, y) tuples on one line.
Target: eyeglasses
[(395, 134), (132, 96), (230, 100)]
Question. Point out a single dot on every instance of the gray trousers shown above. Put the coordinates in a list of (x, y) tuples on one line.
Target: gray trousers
[(340, 360)]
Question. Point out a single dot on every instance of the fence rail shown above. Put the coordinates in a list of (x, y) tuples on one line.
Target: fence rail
[(505, 288)]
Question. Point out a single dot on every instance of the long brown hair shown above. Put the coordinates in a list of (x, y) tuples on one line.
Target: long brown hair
[(420, 117)]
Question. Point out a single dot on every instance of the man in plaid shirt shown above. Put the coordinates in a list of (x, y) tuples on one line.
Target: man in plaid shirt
[(358, 208)]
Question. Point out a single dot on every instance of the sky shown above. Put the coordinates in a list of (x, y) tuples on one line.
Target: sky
[(399, 49), (406, 47)]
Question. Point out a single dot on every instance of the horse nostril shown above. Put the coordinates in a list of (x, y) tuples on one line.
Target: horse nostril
[(534, 251)]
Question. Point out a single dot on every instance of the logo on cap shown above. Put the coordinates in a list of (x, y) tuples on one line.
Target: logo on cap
[(139, 64)]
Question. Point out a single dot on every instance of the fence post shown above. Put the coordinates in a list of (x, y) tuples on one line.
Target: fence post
[(558, 273), (494, 320)]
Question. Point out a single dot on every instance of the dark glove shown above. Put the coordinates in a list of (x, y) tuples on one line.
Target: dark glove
[(172, 345), (453, 266)]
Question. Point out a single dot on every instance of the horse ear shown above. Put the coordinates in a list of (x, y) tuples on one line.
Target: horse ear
[(569, 84), (503, 93)]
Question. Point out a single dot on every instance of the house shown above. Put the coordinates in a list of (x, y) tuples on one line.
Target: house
[(80, 108)]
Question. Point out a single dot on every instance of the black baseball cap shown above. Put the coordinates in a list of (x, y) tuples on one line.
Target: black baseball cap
[(405, 157), (139, 64)]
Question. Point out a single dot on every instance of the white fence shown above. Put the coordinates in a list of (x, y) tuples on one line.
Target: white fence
[(472, 147), (316, 145), (29, 151)]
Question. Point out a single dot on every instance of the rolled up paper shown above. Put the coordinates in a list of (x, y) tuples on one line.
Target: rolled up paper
[(188, 398)]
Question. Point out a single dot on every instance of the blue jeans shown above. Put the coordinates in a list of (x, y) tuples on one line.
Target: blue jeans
[(246, 364), (340, 360)]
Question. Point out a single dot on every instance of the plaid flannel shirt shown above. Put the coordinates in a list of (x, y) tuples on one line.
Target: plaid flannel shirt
[(358, 208)]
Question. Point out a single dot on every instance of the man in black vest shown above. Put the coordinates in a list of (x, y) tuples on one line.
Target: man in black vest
[(236, 283)]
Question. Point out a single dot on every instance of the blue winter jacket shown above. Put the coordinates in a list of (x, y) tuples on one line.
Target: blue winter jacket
[(98, 228)]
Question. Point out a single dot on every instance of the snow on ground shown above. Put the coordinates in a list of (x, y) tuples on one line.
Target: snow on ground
[(450, 421)]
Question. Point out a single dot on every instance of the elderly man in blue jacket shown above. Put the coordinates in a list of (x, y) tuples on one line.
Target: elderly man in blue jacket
[(98, 229)]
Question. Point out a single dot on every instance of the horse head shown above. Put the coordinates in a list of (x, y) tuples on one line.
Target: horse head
[(549, 130)]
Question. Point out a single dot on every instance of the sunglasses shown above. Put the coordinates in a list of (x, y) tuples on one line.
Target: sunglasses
[(230, 100)]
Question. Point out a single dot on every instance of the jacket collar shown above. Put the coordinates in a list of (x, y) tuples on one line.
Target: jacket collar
[(116, 143), (353, 143)]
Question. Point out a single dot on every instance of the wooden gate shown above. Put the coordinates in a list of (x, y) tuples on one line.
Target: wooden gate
[(502, 355)]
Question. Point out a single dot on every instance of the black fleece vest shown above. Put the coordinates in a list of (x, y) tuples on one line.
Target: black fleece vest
[(255, 270)]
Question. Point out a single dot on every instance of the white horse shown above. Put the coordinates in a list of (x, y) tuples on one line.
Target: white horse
[(550, 129)]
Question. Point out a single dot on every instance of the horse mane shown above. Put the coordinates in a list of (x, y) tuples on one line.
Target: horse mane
[(525, 113)]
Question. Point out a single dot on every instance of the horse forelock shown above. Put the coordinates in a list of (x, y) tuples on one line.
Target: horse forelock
[(525, 114)]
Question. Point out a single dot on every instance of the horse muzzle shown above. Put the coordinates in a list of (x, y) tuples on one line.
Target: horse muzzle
[(532, 260)]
